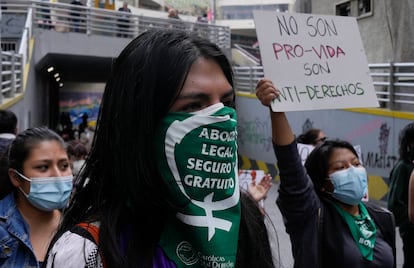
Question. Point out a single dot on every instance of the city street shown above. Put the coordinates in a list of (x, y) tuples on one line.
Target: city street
[(280, 240)]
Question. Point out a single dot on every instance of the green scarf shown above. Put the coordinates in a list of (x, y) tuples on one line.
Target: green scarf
[(197, 155), (363, 230)]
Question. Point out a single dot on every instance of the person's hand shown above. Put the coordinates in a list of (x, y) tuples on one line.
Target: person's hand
[(259, 191), (266, 91)]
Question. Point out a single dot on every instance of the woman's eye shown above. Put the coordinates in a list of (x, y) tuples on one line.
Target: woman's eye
[(42, 168), (192, 107), (65, 166), (337, 168)]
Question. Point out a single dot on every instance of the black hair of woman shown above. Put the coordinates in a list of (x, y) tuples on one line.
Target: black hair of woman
[(21, 146), (406, 142), (121, 179), (5, 184), (8, 122), (312, 137)]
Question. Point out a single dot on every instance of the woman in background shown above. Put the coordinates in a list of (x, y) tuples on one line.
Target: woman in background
[(41, 179), (321, 203), (313, 136)]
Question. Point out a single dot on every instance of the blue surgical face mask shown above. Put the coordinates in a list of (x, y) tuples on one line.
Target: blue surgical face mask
[(350, 185), (48, 193)]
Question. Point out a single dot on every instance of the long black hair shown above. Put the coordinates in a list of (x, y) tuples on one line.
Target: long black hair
[(406, 140), (120, 181), (309, 137)]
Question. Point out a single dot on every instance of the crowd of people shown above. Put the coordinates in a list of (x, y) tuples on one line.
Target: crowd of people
[(159, 185)]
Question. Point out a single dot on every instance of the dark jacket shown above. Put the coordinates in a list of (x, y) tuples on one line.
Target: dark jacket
[(398, 194), (4, 145), (319, 235)]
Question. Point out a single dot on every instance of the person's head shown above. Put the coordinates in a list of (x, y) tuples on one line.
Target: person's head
[(125, 4), (38, 166), (172, 13), (76, 150), (333, 165), (77, 153), (8, 122), (312, 136), (158, 72), (406, 141)]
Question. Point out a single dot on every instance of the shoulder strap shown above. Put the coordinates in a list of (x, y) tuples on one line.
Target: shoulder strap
[(92, 229), (91, 232)]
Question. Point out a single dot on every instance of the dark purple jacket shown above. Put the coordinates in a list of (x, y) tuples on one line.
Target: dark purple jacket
[(318, 234)]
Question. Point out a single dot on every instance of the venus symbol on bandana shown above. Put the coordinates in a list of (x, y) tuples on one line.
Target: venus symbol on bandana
[(208, 176)]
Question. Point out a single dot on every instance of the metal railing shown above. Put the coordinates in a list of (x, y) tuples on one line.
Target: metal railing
[(393, 83), (13, 62), (11, 74), (63, 17)]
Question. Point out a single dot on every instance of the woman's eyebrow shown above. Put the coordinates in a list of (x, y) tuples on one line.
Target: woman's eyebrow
[(193, 95), (203, 95), (336, 162)]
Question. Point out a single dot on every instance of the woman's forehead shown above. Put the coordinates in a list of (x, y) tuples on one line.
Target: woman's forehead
[(341, 154)]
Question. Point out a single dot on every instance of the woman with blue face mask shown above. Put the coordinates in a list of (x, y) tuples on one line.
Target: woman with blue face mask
[(41, 176), (322, 201)]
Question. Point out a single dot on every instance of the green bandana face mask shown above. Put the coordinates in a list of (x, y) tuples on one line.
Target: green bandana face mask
[(197, 155)]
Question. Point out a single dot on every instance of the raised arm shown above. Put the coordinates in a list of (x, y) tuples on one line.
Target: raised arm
[(297, 199), (411, 198), (266, 92)]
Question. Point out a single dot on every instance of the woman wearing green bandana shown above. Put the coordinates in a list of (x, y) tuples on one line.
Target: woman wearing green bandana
[(328, 224), (160, 184)]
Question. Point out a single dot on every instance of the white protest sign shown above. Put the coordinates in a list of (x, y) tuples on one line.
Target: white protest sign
[(304, 151), (358, 149), (316, 61)]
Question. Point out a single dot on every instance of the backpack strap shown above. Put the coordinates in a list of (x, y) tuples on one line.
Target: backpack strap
[(92, 229), (91, 232)]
